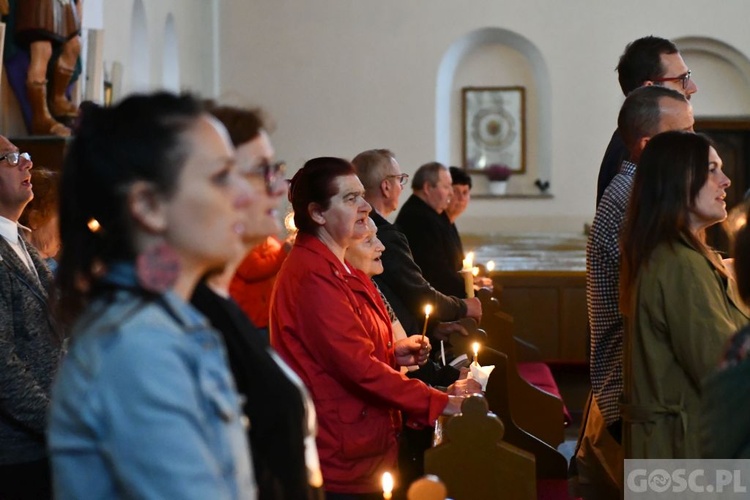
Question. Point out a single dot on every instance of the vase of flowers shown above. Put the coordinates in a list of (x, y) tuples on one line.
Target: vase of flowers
[(498, 175)]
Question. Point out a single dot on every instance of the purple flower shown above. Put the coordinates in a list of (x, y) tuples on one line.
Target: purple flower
[(498, 172)]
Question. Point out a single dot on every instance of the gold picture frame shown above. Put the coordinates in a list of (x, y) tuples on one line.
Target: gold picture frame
[(494, 127)]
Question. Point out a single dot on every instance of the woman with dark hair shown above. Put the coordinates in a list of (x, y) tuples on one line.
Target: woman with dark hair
[(726, 392), (144, 405), (281, 413), (330, 325), (679, 301)]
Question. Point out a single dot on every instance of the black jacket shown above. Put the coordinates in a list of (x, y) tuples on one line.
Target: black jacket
[(274, 404), (403, 284), (613, 158), (434, 244)]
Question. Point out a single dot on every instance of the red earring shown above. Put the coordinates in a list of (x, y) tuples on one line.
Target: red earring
[(157, 268)]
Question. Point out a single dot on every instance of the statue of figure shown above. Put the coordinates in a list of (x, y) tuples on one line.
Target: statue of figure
[(40, 25)]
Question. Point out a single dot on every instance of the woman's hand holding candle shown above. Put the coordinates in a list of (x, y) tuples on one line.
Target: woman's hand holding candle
[(412, 350)]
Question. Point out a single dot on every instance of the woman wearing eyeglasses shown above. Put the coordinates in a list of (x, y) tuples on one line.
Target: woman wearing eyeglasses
[(280, 412)]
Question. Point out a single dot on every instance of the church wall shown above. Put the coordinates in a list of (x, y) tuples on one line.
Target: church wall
[(343, 76)]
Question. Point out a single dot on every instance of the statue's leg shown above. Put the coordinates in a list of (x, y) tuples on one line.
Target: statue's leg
[(60, 105), (42, 122)]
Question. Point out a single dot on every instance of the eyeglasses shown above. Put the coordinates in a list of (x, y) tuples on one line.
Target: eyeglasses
[(14, 158), (272, 175), (685, 79), (402, 178)]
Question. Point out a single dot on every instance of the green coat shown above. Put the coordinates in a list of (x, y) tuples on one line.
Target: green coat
[(684, 312)]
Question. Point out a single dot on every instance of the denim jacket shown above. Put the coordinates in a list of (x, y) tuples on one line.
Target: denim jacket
[(144, 405)]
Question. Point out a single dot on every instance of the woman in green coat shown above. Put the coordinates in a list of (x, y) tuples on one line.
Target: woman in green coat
[(679, 301)]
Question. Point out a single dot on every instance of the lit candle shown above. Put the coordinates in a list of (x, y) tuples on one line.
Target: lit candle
[(490, 266), (468, 262), (93, 225), (475, 347), (468, 283), (475, 271), (387, 485), (427, 311)]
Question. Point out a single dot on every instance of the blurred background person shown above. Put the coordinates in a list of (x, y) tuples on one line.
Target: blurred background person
[(459, 202), (41, 216), (31, 344), (726, 392), (144, 405), (280, 411), (330, 325), (679, 300)]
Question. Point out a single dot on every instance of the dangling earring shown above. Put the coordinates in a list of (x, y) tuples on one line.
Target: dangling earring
[(157, 268)]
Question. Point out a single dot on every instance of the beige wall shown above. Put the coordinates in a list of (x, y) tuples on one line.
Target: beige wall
[(341, 76)]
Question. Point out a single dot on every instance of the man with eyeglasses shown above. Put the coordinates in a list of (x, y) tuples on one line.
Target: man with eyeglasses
[(402, 280), (647, 61), (30, 345)]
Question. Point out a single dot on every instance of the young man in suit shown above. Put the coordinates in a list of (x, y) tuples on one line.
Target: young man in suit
[(30, 345)]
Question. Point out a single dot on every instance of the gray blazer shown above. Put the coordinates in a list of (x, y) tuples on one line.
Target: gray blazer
[(30, 350)]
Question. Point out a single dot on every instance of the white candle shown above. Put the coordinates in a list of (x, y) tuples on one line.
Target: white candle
[(427, 311), (466, 271), (468, 262), (468, 283)]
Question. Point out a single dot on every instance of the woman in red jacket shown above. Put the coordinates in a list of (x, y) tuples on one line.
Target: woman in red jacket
[(330, 325)]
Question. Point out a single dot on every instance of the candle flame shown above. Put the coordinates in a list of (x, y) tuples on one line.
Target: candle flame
[(427, 309), (475, 348), (475, 271), (490, 266), (468, 261), (387, 485), (289, 223), (93, 225)]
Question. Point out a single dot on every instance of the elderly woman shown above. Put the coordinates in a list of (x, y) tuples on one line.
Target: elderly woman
[(281, 413), (144, 405), (365, 255), (726, 392), (330, 325), (678, 298)]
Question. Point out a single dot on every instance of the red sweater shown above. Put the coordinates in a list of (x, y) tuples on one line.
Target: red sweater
[(253, 281)]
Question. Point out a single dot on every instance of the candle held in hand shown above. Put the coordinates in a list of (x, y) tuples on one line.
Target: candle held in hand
[(427, 311), (387, 485)]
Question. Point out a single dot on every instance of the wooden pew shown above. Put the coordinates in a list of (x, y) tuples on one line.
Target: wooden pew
[(533, 409), (550, 464), (474, 460)]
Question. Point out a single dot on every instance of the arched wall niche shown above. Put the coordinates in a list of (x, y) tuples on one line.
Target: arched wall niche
[(140, 61), (722, 74), (171, 56), (491, 57)]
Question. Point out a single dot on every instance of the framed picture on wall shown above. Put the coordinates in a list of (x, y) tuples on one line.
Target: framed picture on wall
[(494, 127)]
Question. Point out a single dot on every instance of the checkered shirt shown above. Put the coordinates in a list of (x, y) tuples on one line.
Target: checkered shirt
[(602, 293)]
